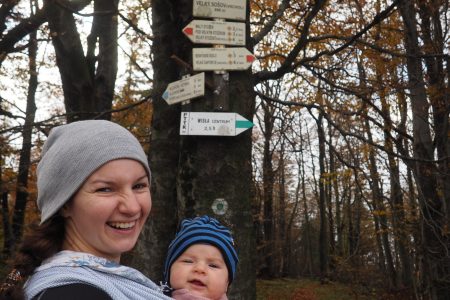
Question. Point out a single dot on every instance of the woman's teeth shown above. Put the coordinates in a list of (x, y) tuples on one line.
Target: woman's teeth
[(122, 225)]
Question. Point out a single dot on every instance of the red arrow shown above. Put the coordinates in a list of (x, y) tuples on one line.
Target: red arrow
[(188, 30), (250, 58)]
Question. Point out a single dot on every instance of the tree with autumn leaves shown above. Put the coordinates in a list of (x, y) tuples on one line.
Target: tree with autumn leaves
[(345, 175)]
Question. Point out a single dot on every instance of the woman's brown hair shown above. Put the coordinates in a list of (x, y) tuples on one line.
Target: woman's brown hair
[(39, 244)]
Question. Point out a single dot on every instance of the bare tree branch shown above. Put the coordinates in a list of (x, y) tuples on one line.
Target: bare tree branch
[(5, 11), (269, 25), (135, 27), (288, 65)]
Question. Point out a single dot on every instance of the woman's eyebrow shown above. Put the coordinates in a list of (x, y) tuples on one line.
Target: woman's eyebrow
[(110, 181), (142, 177)]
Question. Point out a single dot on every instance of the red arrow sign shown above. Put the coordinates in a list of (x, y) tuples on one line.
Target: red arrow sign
[(188, 30), (215, 32)]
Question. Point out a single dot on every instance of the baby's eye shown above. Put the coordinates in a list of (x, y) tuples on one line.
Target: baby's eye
[(187, 260), (214, 266)]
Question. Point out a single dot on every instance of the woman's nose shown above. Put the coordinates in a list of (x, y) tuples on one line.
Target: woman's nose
[(129, 203)]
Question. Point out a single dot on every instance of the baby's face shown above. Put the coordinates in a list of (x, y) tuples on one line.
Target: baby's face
[(202, 270)]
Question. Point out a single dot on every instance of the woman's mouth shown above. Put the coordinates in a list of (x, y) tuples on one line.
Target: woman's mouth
[(122, 225)]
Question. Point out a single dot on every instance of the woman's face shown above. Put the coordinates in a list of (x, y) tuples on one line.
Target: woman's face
[(106, 215)]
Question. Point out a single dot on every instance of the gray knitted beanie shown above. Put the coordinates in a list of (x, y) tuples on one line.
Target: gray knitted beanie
[(73, 152)]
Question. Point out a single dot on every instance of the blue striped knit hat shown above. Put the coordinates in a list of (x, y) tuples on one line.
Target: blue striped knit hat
[(203, 230)]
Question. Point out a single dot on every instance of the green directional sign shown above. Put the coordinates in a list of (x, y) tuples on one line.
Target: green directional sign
[(244, 124)]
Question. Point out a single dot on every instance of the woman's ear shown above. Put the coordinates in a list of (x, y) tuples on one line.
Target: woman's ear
[(65, 210)]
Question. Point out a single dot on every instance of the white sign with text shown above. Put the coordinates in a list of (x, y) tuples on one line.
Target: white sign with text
[(213, 123), (185, 89), (215, 32), (217, 59), (221, 9)]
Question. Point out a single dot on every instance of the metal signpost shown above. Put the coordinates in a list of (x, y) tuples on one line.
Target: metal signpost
[(213, 123), (185, 89), (216, 59), (221, 9), (215, 32)]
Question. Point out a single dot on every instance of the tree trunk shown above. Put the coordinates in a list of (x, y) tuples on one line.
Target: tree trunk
[(411, 225), (331, 180), (438, 92), (219, 169), (355, 227), (7, 230), (164, 153), (88, 91), (281, 245), (289, 251), (338, 200), (380, 212), (194, 173), (268, 184), (435, 237), (215, 169), (323, 234), (104, 30), (308, 267), (25, 151), (402, 237), (401, 234)]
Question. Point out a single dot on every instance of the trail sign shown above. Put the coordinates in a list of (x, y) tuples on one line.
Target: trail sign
[(184, 89), (215, 32), (221, 9), (216, 59), (213, 123)]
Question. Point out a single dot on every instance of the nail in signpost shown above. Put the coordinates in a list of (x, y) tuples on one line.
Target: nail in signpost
[(215, 32), (213, 123), (185, 89), (217, 59), (221, 9)]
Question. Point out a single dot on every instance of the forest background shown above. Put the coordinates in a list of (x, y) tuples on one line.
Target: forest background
[(345, 176)]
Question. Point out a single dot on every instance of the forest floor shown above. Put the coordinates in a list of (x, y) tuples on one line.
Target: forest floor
[(307, 289)]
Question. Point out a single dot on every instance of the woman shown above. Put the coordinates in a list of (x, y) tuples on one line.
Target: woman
[(93, 185)]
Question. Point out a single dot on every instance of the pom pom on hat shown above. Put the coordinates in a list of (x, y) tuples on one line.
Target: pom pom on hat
[(73, 152), (203, 230)]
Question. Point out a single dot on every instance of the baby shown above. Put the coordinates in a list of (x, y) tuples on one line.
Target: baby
[(201, 261)]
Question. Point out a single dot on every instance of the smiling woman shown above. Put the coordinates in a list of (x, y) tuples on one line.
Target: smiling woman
[(108, 212), (94, 198)]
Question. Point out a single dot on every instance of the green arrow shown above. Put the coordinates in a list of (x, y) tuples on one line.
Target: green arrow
[(243, 124)]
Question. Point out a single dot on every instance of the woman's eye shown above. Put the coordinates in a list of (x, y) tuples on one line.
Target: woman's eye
[(103, 190), (140, 186)]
